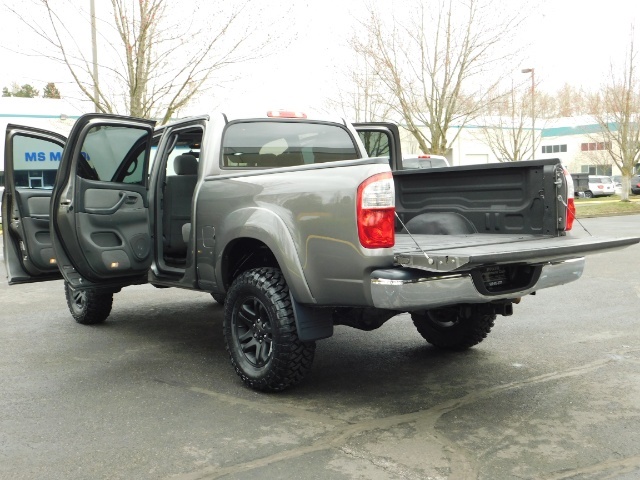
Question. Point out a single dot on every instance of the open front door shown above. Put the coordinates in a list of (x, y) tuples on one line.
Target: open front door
[(31, 160), (100, 211), (381, 139)]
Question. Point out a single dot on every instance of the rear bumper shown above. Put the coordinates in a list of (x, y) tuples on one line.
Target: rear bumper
[(407, 289)]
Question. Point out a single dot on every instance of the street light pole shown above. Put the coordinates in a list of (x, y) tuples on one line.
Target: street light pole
[(94, 54), (533, 110)]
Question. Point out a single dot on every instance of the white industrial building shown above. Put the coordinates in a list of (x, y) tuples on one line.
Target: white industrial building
[(574, 140)]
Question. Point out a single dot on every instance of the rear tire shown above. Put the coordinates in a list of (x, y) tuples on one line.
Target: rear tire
[(260, 332), (446, 328), (88, 307)]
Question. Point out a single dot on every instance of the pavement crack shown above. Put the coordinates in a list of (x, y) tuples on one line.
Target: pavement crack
[(462, 468), (615, 468), (284, 408), (386, 464)]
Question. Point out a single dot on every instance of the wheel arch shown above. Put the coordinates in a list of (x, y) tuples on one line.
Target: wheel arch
[(246, 253)]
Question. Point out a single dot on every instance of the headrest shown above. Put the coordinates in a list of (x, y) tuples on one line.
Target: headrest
[(185, 165)]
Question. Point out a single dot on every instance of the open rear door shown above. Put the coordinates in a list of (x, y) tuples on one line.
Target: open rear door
[(100, 211), (31, 160), (381, 139)]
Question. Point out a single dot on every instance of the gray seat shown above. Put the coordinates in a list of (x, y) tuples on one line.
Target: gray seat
[(178, 193)]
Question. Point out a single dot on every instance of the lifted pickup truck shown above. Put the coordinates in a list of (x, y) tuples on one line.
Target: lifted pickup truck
[(289, 223)]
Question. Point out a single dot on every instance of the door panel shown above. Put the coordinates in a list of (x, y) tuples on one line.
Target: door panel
[(113, 229), (31, 159), (34, 232), (100, 211)]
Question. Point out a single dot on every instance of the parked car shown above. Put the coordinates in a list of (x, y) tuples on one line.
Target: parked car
[(424, 161), (635, 184), (600, 186), (617, 184)]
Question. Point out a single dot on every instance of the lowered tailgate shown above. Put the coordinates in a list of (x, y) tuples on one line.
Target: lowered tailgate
[(448, 253)]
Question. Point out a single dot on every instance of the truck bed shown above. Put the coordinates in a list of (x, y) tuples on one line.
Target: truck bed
[(447, 253)]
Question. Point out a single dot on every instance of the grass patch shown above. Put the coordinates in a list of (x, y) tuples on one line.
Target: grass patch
[(596, 207)]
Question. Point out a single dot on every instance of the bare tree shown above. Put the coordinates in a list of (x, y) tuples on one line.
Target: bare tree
[(508, 131), (362, 99), (435, 63), (618, 115), (155, 62), (569, 101)]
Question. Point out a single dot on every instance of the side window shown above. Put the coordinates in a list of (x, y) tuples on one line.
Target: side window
[(375, 143), (114, 154), (35, 161), (183, 154), (269, 144)]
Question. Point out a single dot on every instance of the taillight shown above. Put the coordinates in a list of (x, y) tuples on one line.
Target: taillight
[(375, 210), (570, 214)]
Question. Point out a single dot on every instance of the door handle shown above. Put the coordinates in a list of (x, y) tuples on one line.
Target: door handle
[(110, 210)]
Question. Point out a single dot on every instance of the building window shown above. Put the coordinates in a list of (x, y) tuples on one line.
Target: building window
[(588, 147), (554, 148), (597, 169)]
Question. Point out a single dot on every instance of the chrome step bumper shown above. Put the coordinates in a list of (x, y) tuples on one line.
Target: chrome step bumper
[(407, 289)]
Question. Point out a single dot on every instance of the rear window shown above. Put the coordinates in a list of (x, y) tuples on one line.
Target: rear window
[(270, 144), (601, 180)]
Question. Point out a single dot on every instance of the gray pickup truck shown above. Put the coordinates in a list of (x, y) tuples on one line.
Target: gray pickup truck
[(290, 224)]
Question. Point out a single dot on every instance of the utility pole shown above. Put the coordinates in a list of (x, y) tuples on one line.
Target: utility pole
[(94, 51), (533, 110)]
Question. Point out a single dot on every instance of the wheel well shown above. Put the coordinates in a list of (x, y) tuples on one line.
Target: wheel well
[(244, 254)]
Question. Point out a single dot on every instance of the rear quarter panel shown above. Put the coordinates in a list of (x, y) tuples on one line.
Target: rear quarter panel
[(306, 216)]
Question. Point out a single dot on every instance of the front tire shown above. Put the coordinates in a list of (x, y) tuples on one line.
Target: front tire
[(450, 329), (260, 332), (88, 307), (588, 194)]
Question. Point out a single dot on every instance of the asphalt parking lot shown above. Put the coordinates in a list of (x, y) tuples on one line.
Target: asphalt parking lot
[(552, 393)]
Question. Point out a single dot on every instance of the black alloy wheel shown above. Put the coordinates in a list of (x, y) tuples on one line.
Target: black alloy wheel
[(253, 331), (260, 332), (88, 307)]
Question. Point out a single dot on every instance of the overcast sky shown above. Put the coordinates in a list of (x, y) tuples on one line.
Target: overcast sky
[(572, 41)]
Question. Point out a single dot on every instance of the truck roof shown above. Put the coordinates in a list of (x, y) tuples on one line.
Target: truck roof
[(232, 115)]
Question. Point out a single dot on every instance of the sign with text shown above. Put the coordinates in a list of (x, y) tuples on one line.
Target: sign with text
[(35, 154)]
